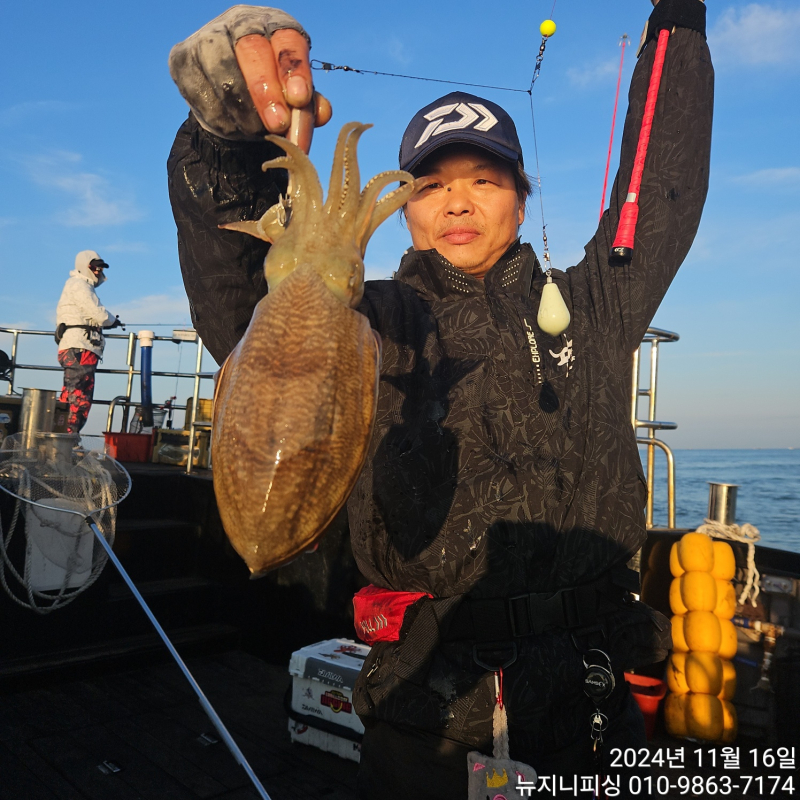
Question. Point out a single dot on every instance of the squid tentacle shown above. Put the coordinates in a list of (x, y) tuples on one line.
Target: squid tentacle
[(306, 188), (386, 206), (369, 199), (348, 207), (335, 186)]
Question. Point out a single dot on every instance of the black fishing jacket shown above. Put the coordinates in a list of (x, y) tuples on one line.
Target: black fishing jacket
[(503, 460)]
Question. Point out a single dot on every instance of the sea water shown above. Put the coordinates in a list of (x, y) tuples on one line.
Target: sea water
[(768, 495)]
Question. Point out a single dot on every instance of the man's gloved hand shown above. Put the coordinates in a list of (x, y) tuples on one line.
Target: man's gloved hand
[(244, 71), (117, 323)]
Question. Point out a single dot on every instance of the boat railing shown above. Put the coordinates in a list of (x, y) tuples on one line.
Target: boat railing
[(125, 401), (654, 337)]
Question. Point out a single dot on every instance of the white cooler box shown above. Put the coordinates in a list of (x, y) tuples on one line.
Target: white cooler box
[(321, 710)]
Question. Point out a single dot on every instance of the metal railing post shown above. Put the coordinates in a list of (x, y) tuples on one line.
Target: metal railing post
[(651, 434), (111, 406), (195, 400), (14, 340), (131, 358), (635, 387), (653, 337)]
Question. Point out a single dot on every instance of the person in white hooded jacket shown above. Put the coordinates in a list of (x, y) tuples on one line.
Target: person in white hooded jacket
[(80, 319)]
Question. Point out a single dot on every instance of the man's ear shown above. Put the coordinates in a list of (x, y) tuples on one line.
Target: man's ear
[(521, 214)]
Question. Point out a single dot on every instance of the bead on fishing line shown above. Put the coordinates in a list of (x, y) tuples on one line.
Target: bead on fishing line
[(547, 28)]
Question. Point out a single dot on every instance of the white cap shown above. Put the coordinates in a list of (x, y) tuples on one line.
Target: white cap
[(145, 338)]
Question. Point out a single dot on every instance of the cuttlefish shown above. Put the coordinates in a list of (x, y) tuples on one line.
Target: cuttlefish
[(295, 401)]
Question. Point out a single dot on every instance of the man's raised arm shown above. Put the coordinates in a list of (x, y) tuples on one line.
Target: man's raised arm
[(622, 300), (242, 75)]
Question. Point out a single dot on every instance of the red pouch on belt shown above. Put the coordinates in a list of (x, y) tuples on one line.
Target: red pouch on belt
[(379, 613)]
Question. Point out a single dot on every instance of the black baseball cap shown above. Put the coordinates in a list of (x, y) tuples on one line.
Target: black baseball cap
[(98, 263), (464, 118)]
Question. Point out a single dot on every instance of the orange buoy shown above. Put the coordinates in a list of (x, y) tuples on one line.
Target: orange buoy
[(702, 631)]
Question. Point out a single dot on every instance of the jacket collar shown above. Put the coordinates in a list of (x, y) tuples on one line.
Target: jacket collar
[(84, 273), (431, 274)]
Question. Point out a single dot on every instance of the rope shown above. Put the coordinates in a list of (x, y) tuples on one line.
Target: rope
[(499, 720), (500, 731), (746, 534)]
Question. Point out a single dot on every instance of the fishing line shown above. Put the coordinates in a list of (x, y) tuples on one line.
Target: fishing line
[(623, 42), (547, 29), (553, 316), (546, 252), (327, 66)]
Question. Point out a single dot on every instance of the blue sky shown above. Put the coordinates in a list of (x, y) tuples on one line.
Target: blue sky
[(88, 113)]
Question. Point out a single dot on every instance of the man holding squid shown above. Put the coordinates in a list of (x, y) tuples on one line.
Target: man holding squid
[(502, 495)]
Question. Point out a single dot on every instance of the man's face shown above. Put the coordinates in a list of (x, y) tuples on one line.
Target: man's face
[(468, 209)]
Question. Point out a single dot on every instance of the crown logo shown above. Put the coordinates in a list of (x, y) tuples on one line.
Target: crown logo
[(497, 780)]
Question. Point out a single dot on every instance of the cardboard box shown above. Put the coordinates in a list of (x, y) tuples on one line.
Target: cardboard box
[(321, 710)]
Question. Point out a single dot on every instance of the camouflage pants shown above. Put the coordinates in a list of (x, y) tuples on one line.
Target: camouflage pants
[(79, 367)]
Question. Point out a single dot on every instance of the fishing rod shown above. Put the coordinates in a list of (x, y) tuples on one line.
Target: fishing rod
[(623, 43), (622, 248)]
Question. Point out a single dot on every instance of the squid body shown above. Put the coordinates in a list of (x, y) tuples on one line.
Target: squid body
[(295, 401)]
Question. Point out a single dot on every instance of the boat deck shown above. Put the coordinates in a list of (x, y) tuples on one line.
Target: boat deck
[(65, 740), (140, 734)]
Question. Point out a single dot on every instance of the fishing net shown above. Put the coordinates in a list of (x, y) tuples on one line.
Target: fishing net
[(62, 502), (48, 553)]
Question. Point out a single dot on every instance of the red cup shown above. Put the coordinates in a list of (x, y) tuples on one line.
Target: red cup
[(648, 693)]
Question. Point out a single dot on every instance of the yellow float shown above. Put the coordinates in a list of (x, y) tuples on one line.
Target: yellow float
[(676, 674), (730, 722), (724, 561), (696, 552), (702, 631), (728, 680), (678, 639), (698, 591), (674, 563), (675, 598), (700, 674), (729, 642), (704, 673), (704, 716), (675, 714), (726, 599)]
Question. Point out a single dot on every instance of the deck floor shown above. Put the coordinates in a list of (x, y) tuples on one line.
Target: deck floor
[(56, 739), (148, 722)]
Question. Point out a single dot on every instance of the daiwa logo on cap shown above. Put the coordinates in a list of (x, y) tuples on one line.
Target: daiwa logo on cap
[(460, 118), (468, 117)]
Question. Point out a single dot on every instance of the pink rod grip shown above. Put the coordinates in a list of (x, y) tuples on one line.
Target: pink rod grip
[(627, 225)]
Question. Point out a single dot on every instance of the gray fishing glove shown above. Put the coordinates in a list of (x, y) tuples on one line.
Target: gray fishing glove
[(207, 73)]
